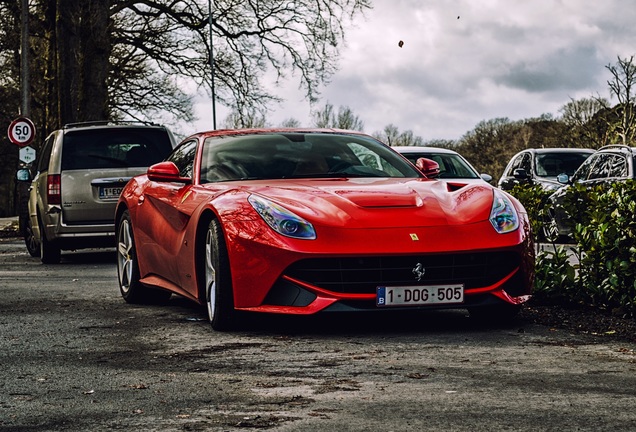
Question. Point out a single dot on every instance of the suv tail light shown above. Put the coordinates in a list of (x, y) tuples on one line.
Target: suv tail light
[(54, 189)]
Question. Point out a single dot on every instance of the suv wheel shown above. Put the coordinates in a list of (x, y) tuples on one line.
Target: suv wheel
[(50, 252), (31, 242)]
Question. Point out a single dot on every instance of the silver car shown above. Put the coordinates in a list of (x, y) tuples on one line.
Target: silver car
[(81, 171)]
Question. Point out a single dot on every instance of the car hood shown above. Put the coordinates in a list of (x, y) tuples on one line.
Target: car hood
[(383, 203)]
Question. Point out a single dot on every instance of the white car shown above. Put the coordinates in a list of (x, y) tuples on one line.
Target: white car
[(452, 165)]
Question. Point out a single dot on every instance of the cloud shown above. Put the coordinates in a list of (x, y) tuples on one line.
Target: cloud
[(501, 58)]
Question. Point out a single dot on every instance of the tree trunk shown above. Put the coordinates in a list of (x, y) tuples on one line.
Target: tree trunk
[(68, 59), (96, 50)]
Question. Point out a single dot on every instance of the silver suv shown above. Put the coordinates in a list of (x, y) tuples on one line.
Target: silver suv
[(81, 171), (609, 164)]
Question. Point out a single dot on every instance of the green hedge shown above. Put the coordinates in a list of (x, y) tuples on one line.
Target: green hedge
[(604, 235)]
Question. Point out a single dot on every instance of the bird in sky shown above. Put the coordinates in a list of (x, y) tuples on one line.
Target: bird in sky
[(401, 44)]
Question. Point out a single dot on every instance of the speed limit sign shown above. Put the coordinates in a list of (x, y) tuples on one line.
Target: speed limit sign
[(21, 131)]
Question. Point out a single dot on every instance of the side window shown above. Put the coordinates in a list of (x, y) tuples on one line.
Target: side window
[(584, 170), (183, 158), (617, 166), (601, 167), (516, 163), (526, 163), (45, 155)]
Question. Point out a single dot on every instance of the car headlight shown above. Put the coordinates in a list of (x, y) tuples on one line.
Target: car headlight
[(282, 220), (503, 216)]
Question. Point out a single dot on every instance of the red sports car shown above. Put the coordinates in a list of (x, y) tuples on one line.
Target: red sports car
[(301, 221)]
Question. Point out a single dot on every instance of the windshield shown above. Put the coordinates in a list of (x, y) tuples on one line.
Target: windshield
[(553, 164), (299, 155), (450, 165)]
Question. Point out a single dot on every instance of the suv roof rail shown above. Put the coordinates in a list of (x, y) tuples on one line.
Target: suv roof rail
[(616, 146), (108, 122)]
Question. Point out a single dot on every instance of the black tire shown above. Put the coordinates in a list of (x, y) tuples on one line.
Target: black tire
[(50, 252), (131, 289), (217, 278), (31, 242)]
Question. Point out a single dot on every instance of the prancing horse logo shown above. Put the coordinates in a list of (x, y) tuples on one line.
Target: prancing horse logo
[(419, 271)]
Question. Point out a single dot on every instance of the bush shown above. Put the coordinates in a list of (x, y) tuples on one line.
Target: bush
[(604, 231), (534, 198)]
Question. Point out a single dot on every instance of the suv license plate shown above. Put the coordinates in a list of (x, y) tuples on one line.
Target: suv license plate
[(109, 192), (419, 295)]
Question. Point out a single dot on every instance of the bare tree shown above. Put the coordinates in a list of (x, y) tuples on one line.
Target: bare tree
[(254, 41), (290, 123), (343, 119), (145, 59), (392, 136), (622, 86), (587, 121), (252, 119), (582, 111)]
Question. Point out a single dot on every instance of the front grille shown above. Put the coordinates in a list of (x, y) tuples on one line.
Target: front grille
[(361, 275)]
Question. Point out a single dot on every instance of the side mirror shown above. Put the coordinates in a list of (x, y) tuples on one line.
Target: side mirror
[(23, 175), (166, 172), (428, 167), (520, 174), (563, 178), (486, 177)]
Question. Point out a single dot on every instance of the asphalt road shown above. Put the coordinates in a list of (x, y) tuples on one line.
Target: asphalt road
[(75, 357)]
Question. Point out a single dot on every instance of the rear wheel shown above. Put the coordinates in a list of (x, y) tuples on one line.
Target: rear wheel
[(218, 283), (30, 240), (50, 252), (131, 289)]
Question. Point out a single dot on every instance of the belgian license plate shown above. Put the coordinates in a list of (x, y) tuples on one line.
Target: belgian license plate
[(109, 192), (419, 295)]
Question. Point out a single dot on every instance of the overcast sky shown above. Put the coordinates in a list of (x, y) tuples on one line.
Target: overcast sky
[(464, 61)]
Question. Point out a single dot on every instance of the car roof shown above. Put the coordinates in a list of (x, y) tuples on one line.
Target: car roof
[(558, 150), (420, 149), (617, 147), (256, 131), (110, 125)]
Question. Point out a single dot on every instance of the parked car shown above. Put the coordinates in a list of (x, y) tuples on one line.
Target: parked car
[(301, 222), (452, 165), (609, 164), (542, 166), (81, 170)]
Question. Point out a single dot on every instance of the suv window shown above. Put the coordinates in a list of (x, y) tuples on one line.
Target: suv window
[(45, 157), (113, 148), (607, 165), (584, 170), (617, 166)]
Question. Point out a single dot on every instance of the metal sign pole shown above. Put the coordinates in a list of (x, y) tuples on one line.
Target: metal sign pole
[(24, 60), (212, 65)]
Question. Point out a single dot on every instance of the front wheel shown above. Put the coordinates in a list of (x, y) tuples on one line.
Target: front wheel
[(217, 278)]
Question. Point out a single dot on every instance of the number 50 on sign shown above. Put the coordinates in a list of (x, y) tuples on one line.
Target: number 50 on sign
[(21, 131)]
